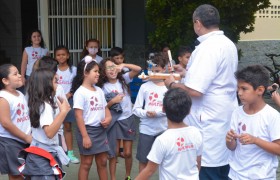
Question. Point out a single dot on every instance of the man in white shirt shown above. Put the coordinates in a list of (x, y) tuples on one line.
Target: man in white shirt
[(212, 86)]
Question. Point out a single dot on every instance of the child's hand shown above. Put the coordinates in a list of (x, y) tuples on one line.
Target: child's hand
[(231, 135), (247, 139), (87, 142), (118, 98), (63, 105), (28, 139), (120, 67), (106, 122), (274, 86), (276, 97), (151, 114), (179, 69)]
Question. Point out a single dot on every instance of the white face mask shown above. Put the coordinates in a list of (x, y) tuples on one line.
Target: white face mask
[(92, 51)]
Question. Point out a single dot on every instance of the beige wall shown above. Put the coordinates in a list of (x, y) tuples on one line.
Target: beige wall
[(267, 24), (265, 29)]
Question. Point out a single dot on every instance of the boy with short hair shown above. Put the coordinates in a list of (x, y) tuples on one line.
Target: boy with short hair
[(178, 150), (254, 137), (117, 56), (152, 120), (184, 54)]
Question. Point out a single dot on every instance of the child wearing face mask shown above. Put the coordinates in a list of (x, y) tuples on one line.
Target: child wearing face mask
[(92, 48)]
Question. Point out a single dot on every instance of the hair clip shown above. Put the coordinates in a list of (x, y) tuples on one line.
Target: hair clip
[(151, 64), (88, 59)]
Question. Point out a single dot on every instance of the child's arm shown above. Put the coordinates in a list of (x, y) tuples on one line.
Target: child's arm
[(6, 122), (160, 113), (198, 160), (69, 95), (108, 118), (137, 108), (231, 140), (170, 83), (134, 69), (23, 66), (81, 125), (148, 171), (53, 128), (271, 147)]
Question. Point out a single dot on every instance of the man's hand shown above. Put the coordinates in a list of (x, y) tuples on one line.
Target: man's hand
[(169, 80), (180, 70)]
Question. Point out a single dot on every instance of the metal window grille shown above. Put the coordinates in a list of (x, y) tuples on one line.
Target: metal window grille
[(72, 22)]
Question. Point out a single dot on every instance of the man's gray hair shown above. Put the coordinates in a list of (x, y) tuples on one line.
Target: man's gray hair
[(208, 15)]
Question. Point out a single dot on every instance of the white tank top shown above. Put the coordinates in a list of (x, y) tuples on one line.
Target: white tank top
[(33, 55), (19, 113)]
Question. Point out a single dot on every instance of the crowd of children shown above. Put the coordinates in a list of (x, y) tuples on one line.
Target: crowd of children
[(37, 127)]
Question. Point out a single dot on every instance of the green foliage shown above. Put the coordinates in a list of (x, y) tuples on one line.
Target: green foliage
[(174, 25)]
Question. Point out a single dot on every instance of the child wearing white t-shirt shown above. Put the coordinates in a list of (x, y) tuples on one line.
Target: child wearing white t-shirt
[(112, 80), (117, 55), (254, 137), (47, 62), (152, 120), (92, 117), (14, 121), (47, 113), (66, 73), (177, 151)]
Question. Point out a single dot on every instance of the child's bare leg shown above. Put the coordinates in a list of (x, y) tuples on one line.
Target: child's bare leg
[(113, 163), (86, 162), (142, 166), (13, 177), (68, 135), (128, 156), (112, 167), (101, 163)]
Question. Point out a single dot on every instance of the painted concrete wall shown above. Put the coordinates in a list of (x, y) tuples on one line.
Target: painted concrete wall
[(253, 52), (10, 28), (267, 24)]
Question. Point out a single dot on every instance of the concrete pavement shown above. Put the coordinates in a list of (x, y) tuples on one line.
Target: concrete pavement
[(72, 170)]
